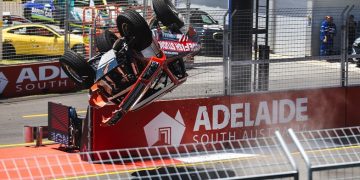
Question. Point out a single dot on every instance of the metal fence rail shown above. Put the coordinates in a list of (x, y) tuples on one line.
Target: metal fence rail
[(264, 158), (331, 153)]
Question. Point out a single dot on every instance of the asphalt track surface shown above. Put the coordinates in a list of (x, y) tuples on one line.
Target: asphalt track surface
[(32, 111)]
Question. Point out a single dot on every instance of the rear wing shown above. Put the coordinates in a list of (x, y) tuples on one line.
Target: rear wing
[(65, 126)]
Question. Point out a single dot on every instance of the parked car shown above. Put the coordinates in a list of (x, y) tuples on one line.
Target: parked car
[(53, 11), (356, 50), (10, 20), (206, 27), (38, 39), (39, 10)]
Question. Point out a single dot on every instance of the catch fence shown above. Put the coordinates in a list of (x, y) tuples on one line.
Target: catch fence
[(259, 50)]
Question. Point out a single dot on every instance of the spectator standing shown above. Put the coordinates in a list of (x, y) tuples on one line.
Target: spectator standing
[(351, 32), (327, 34)]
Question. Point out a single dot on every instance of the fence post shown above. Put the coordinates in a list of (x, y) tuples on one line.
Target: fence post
[(39, 136), (302, 152), (28, 134), (241, 24), (347, 47), (226, 59), (67, 25), (145, 4), (344, 45), (286, 151), (263, 70)]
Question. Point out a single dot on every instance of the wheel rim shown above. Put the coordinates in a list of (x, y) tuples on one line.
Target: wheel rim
[(73, 73)]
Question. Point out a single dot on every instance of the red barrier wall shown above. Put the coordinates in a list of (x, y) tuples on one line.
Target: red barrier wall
[(353, 106), (31, 79), (223, 118)]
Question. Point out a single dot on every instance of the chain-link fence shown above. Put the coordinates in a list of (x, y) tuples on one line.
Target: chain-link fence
[(271, 49), (259, 49)]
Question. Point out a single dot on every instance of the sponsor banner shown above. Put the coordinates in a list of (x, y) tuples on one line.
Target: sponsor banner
[(32, 79), (208, 120)]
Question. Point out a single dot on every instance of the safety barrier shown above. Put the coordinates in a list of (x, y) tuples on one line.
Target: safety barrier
[(328, 154), (243, 159)]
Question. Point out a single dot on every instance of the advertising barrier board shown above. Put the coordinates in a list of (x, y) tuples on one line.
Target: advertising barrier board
[(208, 120), (33, 79)]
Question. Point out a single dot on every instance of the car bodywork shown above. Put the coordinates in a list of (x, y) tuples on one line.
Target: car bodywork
[(40, 9), (11, 20), (38, 39), (206, 27), (134, 80), (356, 50), (133, 70), (177, 45)]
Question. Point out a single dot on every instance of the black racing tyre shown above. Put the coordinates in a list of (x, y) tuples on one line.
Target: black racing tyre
[(75, 66), (132, 25), (166, 13), (105, 41), (8, 51)]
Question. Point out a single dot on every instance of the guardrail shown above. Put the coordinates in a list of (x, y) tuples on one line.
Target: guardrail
[(328, 154), (242, 159)]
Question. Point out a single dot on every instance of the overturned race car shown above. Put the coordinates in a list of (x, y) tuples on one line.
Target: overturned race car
[(132, 70)]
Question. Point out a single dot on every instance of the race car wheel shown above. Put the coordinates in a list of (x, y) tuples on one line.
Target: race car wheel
[(8, 51), (132, 25), (178, 68), (75, 66), (104, 42), (166, 12)]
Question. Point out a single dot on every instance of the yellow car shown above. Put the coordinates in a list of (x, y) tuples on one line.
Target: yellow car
[(38, 39)]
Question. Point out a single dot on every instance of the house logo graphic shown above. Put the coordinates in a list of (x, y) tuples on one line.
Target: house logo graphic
[(165, 130), (3, 82)]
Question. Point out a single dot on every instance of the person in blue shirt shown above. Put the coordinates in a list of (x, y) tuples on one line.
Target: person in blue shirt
[(327, 34)]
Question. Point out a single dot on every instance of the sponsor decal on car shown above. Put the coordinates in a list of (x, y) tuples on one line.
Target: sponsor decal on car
[(178, 46)]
